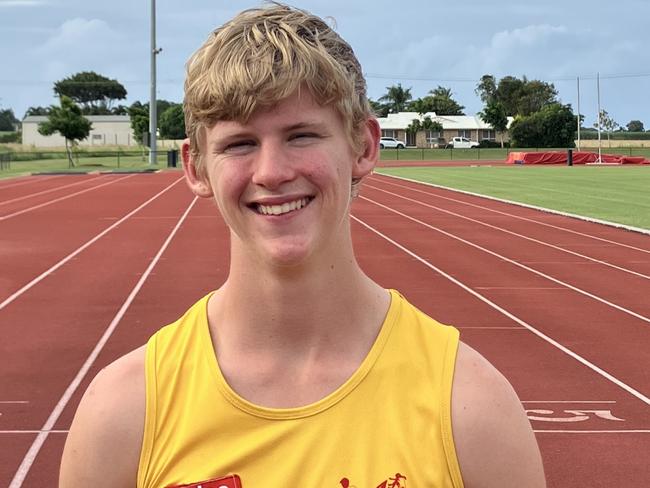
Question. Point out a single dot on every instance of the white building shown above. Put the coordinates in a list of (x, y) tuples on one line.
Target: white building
[(107, 130), (471, 127)]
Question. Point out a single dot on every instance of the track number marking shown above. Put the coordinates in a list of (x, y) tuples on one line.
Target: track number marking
[(543, 415)]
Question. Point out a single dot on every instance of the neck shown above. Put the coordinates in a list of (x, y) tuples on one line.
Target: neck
[(305, 329)]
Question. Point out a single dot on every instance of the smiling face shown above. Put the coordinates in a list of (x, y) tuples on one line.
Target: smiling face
[(282, 181)]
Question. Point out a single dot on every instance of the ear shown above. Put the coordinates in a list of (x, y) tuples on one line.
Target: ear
[(367, 160), (196, 179)]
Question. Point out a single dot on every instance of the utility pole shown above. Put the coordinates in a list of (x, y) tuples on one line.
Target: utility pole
[(578, 113), (600, 154), (153, 116)]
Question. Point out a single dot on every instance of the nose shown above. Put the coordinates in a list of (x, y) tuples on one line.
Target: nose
[(273, 166)]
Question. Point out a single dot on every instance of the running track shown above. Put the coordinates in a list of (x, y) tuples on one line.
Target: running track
[(92, 265)]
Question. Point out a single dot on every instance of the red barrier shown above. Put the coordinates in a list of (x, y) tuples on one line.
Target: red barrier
[(579, 157)]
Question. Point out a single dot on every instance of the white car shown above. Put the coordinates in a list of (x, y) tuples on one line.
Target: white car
[(462, 143), (391, 142)]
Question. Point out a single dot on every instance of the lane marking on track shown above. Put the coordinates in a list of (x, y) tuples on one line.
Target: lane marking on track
[(31, 195), (511, 261), (511, 316), (31, 182), (569, 401), (70, 256), (491, 328), (516, 234), (56, 200), (565, 229), (14, 401), (630, 431), (34, 449), (33, 431), (519, 288)]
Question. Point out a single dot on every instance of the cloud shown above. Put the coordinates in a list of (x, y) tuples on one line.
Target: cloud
[(79, 34), (22, 3)]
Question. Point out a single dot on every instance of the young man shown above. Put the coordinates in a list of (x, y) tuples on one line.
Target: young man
[(299, 370)]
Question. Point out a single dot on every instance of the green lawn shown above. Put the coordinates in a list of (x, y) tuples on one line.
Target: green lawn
[(617, 194), (84, 163)]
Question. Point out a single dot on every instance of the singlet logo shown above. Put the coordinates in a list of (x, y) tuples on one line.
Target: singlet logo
[(397, 481)]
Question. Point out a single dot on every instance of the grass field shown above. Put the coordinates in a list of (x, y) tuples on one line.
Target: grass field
[(617, 194), (493, 154), (84, 163)]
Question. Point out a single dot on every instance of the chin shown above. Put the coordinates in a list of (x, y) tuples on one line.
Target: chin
[(288, 254)]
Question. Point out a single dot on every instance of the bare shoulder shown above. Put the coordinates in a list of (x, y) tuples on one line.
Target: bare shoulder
[(108, 427), (495, 444)]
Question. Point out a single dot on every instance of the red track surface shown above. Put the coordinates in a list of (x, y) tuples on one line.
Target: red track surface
[(571, 330)]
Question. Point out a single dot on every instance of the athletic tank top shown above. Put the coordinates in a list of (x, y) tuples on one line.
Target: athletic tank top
[(387, 426)]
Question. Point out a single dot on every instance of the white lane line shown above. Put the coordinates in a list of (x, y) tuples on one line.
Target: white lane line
[(520, 288), (70, 256), (491, 328), (546, 210), (31, 182), (516, 234), (31, 195), (630, 431), (33, 451), (511, 261), (33, 431), (13, 401), (511, 316), (569, 401), (35, 207)]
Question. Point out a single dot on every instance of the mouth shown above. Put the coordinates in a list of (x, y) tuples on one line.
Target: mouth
[(283, 208)]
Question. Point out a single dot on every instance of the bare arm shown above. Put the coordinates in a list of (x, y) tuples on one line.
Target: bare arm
[(495, 443), (104, 442)]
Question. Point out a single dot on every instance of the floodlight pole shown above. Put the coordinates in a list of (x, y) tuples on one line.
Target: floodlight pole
[(578, 113), (153, 116), (600, 160)]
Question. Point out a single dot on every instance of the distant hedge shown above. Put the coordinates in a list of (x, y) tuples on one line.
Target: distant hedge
[(616, 136), (8, 137)]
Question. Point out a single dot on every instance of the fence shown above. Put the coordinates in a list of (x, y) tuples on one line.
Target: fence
[(489, 154), (24, 161)]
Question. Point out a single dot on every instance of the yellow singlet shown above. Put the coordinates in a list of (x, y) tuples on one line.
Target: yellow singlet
[(388, 426)]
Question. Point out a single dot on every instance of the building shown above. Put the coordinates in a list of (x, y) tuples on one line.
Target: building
[(107, 130), (471, 127)]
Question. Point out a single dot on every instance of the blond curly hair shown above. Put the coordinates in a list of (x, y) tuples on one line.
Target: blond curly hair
[(261, 57)]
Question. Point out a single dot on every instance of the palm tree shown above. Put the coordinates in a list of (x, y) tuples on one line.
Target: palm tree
[(431, 126), (396, 97)]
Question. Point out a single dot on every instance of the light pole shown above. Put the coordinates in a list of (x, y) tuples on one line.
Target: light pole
[(153, 116)]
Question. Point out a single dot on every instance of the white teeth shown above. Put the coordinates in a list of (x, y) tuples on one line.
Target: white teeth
[(282, 209)]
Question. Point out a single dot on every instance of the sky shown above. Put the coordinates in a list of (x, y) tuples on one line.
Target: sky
[(421, 44)]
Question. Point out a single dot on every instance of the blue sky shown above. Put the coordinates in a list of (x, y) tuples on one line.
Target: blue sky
[(421, 44)]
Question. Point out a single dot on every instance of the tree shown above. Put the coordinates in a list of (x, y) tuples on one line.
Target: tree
[(414, 127), (494, 114), (94, 92), (443, 102), (518, 96), (37, 111), (8, 120), (431, 126), (396, 98), (172, 122), (607, 123), (139, 113), (439, 101), (68, 121), (380, 109), (553, 126), (635, 126)]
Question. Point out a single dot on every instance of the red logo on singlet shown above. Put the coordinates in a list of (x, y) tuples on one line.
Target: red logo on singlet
[(397, 481), (231, 481)]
